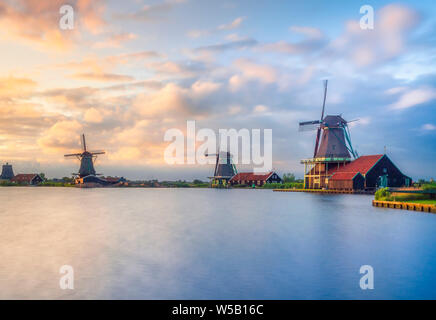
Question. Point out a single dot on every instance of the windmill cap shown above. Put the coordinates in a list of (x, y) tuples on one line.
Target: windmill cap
[(333, 120)]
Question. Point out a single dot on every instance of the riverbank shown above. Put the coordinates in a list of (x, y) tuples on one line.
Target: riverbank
[(414, 199), (430, 208), (324, 191)]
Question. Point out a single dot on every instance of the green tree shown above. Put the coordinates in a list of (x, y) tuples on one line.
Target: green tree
[(288, 177)]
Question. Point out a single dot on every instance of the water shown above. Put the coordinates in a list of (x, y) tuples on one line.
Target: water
[(210, 244)]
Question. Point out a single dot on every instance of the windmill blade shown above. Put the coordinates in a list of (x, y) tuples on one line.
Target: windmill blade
[(97, 152), (353, 120), (325, 96), (318, 134), (83, 142), (72, 155), (216, 164), (309, 125)]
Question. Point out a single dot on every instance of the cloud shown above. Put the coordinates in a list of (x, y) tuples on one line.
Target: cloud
[(101, 69), (178, 69), (105, 77), (428, 127), (37, 22), (115, 40), (152, 12), (62, 136), (224, 27), (260, 109), (250, 70), (16, 87), (232, 45), (395, 90), (232, 25), (414, 98), (109, 62), (313, 40), (393, 26), (309, 32)]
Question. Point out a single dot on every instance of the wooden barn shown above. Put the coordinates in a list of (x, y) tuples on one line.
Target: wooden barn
[(27, 178), (253, 179), (368, 173)]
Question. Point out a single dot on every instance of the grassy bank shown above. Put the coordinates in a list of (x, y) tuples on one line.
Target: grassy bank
[(384, 195), (425, 201)]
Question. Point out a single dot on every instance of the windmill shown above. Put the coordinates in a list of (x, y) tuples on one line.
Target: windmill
[(87, 159), (332, 149), (335, 140), (7, 172), (224, 168)]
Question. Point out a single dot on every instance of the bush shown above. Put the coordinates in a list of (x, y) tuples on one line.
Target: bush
[(288, 185), (383, 194), (429, 186), (7, 183), (55, 184)]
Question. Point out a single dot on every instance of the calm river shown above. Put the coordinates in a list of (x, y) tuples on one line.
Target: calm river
[(210, 244)]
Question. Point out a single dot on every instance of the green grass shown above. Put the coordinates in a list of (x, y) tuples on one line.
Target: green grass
[(426, 201)]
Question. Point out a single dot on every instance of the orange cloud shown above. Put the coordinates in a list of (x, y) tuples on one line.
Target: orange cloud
[(37, 22)]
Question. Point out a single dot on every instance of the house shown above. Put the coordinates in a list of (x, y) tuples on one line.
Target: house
[(253, 179), (367, 173), (27, 178)]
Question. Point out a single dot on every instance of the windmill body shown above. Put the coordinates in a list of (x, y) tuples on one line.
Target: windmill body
[(7, 172), (333, 148), (224, 169), (86, 165), (333, 141)]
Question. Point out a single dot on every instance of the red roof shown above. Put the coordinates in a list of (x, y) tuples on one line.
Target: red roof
[(250, 176), (343, 176), (361, 164), (24, 177)]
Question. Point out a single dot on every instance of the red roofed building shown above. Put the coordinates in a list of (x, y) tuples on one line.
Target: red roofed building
[(253, 179), (367, 172), (27, 178)]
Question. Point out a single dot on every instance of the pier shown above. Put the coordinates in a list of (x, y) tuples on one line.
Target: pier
[(430, 208), (331, 191)]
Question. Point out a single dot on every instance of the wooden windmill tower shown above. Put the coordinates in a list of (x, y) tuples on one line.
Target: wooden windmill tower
[(332, 150), (7, 172), (224, 169), (87, 159)]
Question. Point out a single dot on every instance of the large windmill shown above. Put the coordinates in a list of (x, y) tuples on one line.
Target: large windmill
[(87, 159), (334, 149), (224, 169)]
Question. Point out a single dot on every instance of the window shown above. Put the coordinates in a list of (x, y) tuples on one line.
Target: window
[(385, 170)]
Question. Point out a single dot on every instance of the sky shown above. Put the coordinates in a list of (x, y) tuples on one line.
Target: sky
[(130, 70)]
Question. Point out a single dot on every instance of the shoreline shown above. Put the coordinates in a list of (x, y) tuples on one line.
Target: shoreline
[(410, 206)]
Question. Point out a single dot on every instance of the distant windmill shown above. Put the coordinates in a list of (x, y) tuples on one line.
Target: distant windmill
[(335, 141), (7, 172), (224, 168), (87, 159)]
